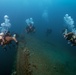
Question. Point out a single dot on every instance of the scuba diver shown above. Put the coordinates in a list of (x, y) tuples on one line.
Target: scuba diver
[(71, 37), (48, 31), (30, 25), (6, 39)]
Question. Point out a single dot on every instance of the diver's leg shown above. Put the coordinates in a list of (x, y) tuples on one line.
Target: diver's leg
[(14, 39)]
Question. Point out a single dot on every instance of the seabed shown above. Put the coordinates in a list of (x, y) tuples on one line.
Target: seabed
[(35, 57)]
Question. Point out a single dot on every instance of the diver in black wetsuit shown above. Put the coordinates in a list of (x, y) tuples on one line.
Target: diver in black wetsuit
[(48, 31), (71, 37), (30, 28)]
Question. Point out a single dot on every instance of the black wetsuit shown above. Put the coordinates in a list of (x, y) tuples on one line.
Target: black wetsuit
[(73, 42), (48, 32), (71, 39), (28, 29), (69, 36)]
